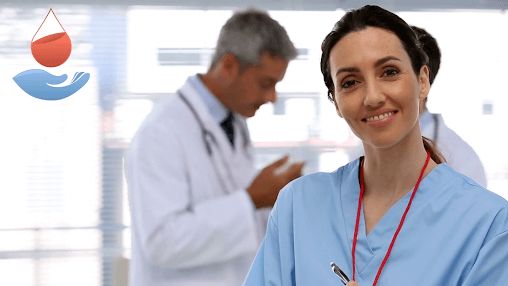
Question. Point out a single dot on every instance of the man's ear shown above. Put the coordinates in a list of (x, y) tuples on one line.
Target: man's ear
[(424, 82), (230, 67)]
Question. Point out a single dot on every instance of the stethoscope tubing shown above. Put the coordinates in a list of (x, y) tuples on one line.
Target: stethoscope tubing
[(209, 140), (204, 132)]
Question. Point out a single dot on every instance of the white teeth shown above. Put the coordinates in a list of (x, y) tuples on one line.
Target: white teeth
[(380, 117)]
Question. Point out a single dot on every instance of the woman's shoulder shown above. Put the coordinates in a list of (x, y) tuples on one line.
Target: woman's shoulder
[(464, 187), (466, 199)]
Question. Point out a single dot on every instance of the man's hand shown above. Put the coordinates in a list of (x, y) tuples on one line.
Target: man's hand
[(266, 186)]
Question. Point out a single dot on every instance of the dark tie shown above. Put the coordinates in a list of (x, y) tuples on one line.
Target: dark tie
[(227, 126)]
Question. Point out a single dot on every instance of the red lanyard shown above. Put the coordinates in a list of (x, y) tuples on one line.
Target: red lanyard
[(362, 191)]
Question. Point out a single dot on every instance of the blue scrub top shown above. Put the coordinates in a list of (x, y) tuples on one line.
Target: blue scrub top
[(456, 233)]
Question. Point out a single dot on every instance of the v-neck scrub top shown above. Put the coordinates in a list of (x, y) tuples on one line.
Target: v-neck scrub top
[(456, 233)]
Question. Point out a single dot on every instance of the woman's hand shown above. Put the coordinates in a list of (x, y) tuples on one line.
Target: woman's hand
[(352, 283)]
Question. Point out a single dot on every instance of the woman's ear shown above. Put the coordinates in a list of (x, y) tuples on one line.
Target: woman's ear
[(424, 82), (336, 104)]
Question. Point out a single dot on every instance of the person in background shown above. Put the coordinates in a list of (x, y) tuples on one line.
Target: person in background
[(198, 205), (398, 215), (458, 154)]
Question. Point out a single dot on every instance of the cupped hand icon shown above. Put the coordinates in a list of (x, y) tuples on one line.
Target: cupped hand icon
[(43, 85)]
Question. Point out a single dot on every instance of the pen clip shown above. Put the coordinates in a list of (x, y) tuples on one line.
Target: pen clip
[(343, 277)]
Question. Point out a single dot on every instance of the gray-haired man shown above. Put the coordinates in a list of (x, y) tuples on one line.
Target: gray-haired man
[(198, 205)]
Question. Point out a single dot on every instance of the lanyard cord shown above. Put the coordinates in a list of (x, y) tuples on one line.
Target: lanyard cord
[(402, 219)]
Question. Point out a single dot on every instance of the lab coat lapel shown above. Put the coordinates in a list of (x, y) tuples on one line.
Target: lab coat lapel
[(220, 151), (242, 136), (242, 151), (207, 119)]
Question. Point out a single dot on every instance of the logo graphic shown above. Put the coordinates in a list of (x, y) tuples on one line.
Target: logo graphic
[(51, 47)]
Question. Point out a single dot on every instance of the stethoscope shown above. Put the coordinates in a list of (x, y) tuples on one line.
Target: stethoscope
[(207, 135), (209, 140)]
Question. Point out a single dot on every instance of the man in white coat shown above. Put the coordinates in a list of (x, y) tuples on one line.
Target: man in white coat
[(457, 152), (198, 206)]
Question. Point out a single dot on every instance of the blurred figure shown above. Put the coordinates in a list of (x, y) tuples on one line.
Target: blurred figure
[(458, 154), (198, 205)]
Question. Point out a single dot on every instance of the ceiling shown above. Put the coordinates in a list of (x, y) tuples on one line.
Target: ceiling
[(318, 5)]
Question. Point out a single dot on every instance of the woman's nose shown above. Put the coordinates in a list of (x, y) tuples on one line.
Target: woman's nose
[(374, 96)]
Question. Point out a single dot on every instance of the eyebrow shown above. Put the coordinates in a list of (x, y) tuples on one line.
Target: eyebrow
[(379, 62)]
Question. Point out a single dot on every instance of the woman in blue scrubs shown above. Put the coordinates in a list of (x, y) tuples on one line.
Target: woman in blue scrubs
[(399, 215)]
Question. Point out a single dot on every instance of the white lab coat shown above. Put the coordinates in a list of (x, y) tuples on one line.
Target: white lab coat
[(193, 223), (459, 155)]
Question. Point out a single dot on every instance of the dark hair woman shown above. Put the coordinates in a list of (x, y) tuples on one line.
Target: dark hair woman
[(398, 215)]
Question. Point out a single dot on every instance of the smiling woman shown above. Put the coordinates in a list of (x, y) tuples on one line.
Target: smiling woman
[(376, 89), (385, 217)]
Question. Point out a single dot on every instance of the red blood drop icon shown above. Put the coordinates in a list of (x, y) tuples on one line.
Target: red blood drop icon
[(52, 50), (54, 47)]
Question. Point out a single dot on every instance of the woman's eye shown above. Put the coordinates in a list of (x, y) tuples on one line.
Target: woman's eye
[(390, 72), (348, 83)]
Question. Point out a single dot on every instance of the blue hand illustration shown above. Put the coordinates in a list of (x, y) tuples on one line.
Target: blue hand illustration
[(43, 85)]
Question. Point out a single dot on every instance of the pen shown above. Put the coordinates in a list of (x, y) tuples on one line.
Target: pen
[(343, 277)]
